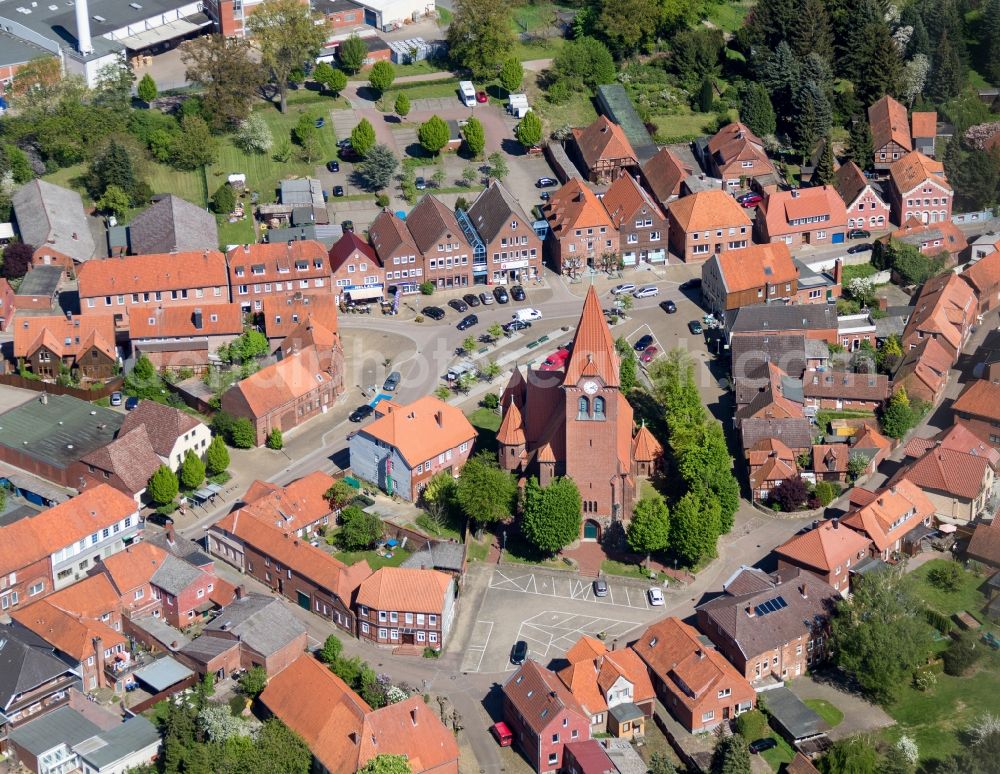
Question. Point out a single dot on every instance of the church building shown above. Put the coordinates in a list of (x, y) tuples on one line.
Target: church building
[(577, 423)]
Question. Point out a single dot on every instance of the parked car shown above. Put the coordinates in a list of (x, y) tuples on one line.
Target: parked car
[(338, 190), (760, 745), (668, 306), (695, 327), (859, 233), (485, 298), (333, 166), (481, 97), (643, 342), (347, 225), (691, 284), (502, 733), (864, 247), (516, 325), (625, 287), (646, 291), (517, 293), (392, 382), (556, 361), (131, 404), (655, 595), (747, 195), (116, 399), (527, 315), (361, 413), (752, 200), (434, 312), (545, 182), (500, 294), (345, 143), (600, 587), (467, 322), (458, 305), (519, 653), (320, 122), (649, 353), (471, 299), (420, 184), (545, 196)]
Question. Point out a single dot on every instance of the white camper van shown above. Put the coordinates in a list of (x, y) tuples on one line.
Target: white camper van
[(468, 92)]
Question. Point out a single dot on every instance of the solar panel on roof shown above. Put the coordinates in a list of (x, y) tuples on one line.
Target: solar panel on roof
[(781, 602)]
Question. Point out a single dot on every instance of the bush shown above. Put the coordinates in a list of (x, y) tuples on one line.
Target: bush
[(939, 621), (382, 200), (429, 652), (224, 199), (961, 655), (490, 401), (241, 434), (427, 288), (826, 492), (946, 576), (274, 440), (752, 725), (360, 530)]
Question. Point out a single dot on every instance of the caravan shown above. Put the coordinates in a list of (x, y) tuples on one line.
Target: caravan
[(517, 105), (468, 93)]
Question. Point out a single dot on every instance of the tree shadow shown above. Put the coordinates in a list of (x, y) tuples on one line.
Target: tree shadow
[(368, 94), (512, 147), (392, 118), (417, 151)]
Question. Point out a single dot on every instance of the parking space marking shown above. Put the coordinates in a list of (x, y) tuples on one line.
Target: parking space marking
[(566, 588), (553, 633), (476, 652)]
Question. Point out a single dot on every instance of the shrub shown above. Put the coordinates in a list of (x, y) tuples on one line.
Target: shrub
[(939, 621), (427, 288), (429, 652), (826, 492), (382, 200), (224, 199), (241, 434), (275, 440), (752, 725), (961, 656), (946, 576), (924, 680), (491, 400)]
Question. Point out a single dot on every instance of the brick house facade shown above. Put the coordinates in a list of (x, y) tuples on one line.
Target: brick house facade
[(759, 274), (406, 606), (707, 223), (356, 272), (736, 155), (866, 209), (919, 189), (447, 255), (511, 248), (580, 230), (401, 258), (266, 270), (642, 225), (85, 346)]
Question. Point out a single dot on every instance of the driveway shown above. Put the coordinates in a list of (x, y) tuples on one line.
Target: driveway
[(859, 715)]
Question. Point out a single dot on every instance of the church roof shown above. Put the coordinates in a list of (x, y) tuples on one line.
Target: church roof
[(645, 447), (593, 351), (511, 432)]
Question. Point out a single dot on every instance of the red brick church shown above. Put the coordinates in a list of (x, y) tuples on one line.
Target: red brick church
[(578, 424)]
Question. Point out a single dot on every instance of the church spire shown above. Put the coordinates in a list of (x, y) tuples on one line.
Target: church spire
[(593, 347)]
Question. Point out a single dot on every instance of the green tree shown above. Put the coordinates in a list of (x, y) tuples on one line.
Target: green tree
[(254, 682), (484, 491), (497, 166), (876, 66), (330, 77), (946, 76), (163, 486), (475, 137), (511, 74), (585, 62), (242, 434), (897, 415), (192, 471), (756, 110), (946, 576), (387, 764), (352, 54), (649, 530), (703, 460), (854, 755), (824, 173), (143, 381), (226, 74), (381, 76), (696, 55), (359, 530), (659, 763), (287, 34), (529, 130), (147, 88), (990, 39), (114, 200), (674, 385), (224, 199), (363, 137), (624, 24), (275, 440), (813, 31), (433, 134), (889, 354), (706, 96), (17, 257), (627, 377), (731, 756), (813, 117), (402, 106), (480, 36), (439, 495), (857, 464), (694, 527), (217, 456), (331, 650), (550, 516), (879, 634), (895, 762), (194, 146), (112, 165), (379, 166), (961, 655), (248, 345)]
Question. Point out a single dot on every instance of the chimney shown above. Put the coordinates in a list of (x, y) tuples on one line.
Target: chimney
[(750, 611), (170, 532), (198, 320), (353, 736), (804, 591), (240, 591), (700, 653), (836, 523), (439, 418), (838, 271), (83, 28), (413, 716), (795, 193)]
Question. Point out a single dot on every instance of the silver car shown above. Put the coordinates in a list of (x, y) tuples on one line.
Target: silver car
[(392, 382)]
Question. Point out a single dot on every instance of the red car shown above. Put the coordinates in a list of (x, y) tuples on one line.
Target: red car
[(648, 354), (502, 733), (481, 97), (556, 361), (752, 200)]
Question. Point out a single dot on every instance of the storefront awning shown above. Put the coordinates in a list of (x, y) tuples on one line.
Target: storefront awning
[(364, 294), (175, 29)]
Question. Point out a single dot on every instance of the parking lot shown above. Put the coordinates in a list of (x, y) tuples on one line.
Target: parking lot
[(550, 611)]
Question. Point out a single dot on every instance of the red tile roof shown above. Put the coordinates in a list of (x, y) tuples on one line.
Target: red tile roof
[(904, 505), (410, 728), (824, 548), (71, 633), (593, 670), (735, 141), (164, 424), (603, 140), (851, 182), (924, 124), (538, 696), (65, 336), (924, 370), (421, 430), (411, 589), (756, 266), (846, 385), (923, 235), (782, 208), (625, 199), (664, 174), (91, 597), (593, 352), (913, 169), (959, 438), (984, 274), (350, 244), (162, 271), (980, 399), (950, 472), (888, 124), (707, 210), (511, 432), (178, 322), (278, 261), (645, 447), (831, 458), (388, 234), (280, 383), (133, 567), (575, 206), (947, 307), (290, 507), (293, 310)]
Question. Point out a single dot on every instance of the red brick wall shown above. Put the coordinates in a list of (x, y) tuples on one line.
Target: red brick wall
[(506, 248), (868, 212), (588, 247), (375, 626), (920, 204), (25, 577), (538, 750), (683, 243), (692, 717)]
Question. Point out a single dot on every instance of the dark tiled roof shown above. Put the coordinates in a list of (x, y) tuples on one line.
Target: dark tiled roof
[(173, 224), (492, 209), (430, 221), (794, 433), (791, 317), (26, 661)]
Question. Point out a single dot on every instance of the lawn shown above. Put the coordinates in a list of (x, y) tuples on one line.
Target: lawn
[(727, 16), (966, 597), (487, 423), (426, 523), (612, 567), (578, 111), (399, 555), (421, 90), (478, 551), (422, 67), (858, 270), (826, 710), (776, 757), (682, 125)]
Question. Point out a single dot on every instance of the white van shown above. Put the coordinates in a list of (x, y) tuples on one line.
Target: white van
[(527, 315), (467, 92)]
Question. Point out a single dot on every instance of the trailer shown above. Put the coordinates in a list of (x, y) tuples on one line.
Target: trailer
[(517, 105), (468, 93)]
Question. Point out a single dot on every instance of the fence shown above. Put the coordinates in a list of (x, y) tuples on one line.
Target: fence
[(971, 217), (16, 380)]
